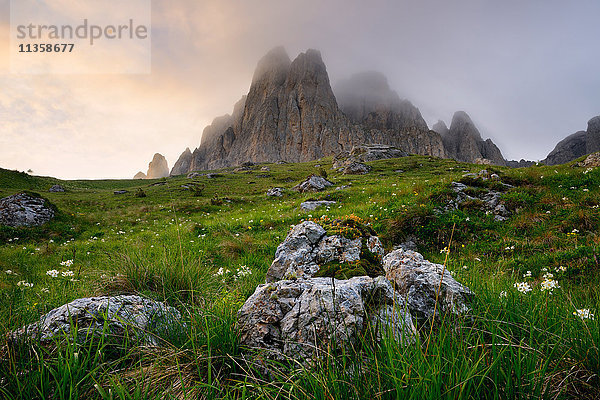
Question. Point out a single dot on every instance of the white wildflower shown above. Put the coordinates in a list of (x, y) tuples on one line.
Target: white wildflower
[(527, 274), (53, 273), (67, 273), (503, 294), (67, 263), (584, 313), (523, 287), (24, 284)]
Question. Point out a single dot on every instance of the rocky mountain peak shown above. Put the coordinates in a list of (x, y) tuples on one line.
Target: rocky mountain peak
[(158, 167), (441, 128), (462, 123), (593, 135), (272, 68)]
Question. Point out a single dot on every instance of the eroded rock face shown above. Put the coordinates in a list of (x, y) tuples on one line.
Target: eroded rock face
[(313, 183), (463, 141), (158, 167), (183, 163), (417, 281), (23, 209), (568, 149), (300, 318), (307, 247), (593, 135), (135, 316)]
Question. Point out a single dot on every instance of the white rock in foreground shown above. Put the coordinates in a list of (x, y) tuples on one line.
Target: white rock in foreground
[(298, 319)]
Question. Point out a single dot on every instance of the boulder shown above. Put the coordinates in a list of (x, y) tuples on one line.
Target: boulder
[(275, 192), (356, 168), (307, 248), (312, 205), (56, 189), (25, 209), (417, 281), (313, 183), (125, 316), (366, 153), (120, 192), (299, 319), (193, 175)]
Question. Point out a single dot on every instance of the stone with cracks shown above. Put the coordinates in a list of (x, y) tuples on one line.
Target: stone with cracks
[(313, 183), (301, 318), (275, 192), (307, 247), (417, 281), (125, 315), (356, 168), (24, 210)]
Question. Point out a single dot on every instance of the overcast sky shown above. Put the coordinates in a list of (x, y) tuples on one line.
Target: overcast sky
[(527, 72)]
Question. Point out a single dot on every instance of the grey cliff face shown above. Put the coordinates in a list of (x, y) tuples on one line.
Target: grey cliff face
[(182, 166), (463, 141), (158, 167), (291, 114), (568, 149), (593, 135)]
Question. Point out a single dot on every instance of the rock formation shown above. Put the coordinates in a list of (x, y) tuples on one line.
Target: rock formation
[(368, 101), (56, 189), (576, 145), (25, 209), (158, 167), (463, 141), (139, 175), (126, 316), (291, 115), (593, 135), (568, 149), (182, 166)]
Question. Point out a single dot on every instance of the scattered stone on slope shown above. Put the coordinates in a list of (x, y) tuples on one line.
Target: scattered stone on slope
[(591, 161), (312, 205), (194, 175), (491, 200), (307, 248), (366, 153), (356, 168), (56, 189), (126, 316), (120, 192), (25, 210), (313, 183), (301, 318), (275, 192), (417, 281)]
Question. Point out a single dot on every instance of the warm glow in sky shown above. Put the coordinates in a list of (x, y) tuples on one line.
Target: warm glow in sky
[(526, 72)]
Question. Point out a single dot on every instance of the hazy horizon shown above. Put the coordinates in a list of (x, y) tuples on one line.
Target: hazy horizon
[(526, 73)]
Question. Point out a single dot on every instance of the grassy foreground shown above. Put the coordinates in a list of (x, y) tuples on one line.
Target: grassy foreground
[(531, 332)]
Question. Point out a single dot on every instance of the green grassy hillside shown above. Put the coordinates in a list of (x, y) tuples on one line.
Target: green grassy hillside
[(170, 244)]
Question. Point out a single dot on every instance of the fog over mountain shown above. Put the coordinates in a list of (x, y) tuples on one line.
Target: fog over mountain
[(524, 72)]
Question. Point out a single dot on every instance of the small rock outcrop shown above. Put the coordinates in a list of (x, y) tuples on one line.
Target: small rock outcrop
[(56, 189), (418, 281), (302, 318), (140, 175), (158, 167), (568, 149), (313, 183), (312, 205), (25, 209), (463, 141), (366, 153), (275, 192), (308, 248), (356, 168), (125, 315), (591, 161)]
